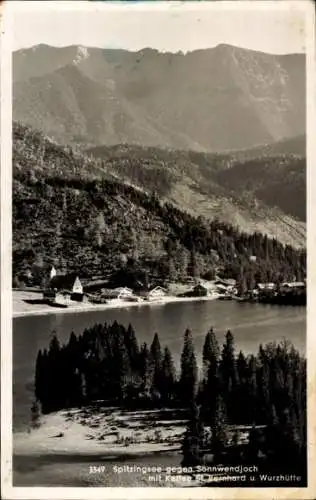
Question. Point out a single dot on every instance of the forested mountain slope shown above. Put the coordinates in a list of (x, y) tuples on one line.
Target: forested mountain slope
[(68, 209), (265, 193)]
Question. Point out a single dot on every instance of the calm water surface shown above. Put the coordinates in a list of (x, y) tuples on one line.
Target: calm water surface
[(251, 325)]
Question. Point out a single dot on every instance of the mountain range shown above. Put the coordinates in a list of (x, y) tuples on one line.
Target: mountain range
[(219, 133), (211, 100)]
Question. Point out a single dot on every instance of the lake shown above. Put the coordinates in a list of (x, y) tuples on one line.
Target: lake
[(251, 324)]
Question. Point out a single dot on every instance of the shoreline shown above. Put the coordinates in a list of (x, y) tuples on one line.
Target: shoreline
[(116, 304), (97, 435), (70, 447)]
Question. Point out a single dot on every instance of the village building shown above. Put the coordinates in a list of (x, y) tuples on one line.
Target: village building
[(228, 282), (63, 288), (263, 289), (122, 293), (292, 287), (226, 286), (225, 281), (200, 290), (155, 293), (266, 286), (203, 289), (58, 297)]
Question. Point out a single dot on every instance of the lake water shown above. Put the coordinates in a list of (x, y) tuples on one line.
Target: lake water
[(251, 325)]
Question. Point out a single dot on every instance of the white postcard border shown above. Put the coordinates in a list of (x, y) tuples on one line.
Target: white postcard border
[(10, 492)]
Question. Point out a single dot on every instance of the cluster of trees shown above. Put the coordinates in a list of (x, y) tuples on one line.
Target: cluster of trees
[(268, 389), (95, 226), (107, 363)]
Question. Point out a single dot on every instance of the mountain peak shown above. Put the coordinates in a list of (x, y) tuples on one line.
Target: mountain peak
[(224, 46), (82, 53)]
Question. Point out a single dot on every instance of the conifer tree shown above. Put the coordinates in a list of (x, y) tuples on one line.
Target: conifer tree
[(193, 266), (228, 359), (252, 389), (172, 270), (134, 244), (211, 367), (124, 368), (147, 369), (264, 402), (54, 346), (241, 406), (55, 375), (77, 388), (168, 375), (42, 386), (182, 263), (276, 381), (290, 446), (210, 353), (255, 443), (229, 374), (262, 355), (272, 433), (219, 437), (241, 284), (188, 377), (192, 446), (132, 347), (241, 365), (299, 398), (120, 369), (70, 356), (156, 356)]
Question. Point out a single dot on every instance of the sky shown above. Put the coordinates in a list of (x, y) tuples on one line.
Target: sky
[(173, 26)]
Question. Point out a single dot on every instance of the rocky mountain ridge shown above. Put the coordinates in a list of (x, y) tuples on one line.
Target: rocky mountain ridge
[(215, 99)]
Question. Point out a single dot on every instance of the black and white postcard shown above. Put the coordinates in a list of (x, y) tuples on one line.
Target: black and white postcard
[(157, 185)]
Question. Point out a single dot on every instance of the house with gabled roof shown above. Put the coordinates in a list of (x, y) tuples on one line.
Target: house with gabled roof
[(154, 293), (64, 287)]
